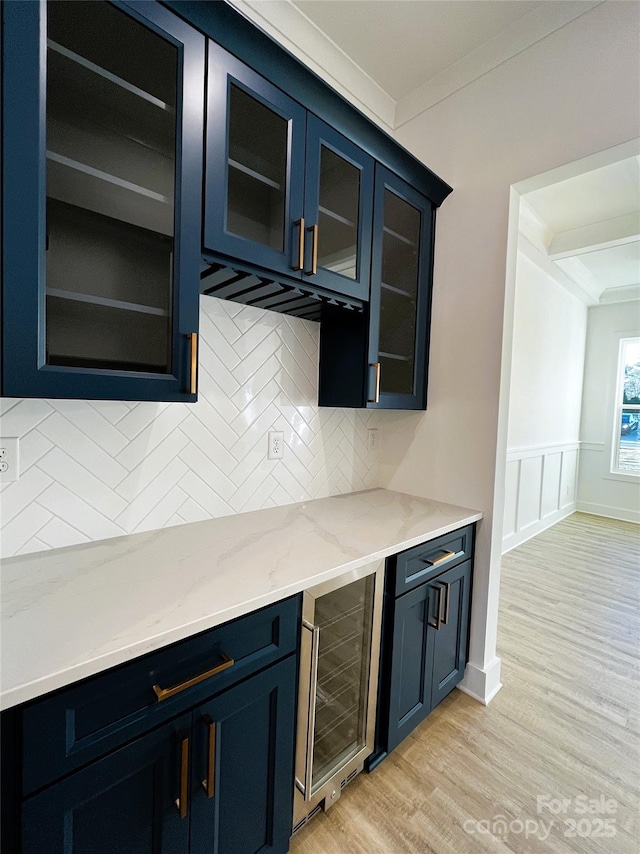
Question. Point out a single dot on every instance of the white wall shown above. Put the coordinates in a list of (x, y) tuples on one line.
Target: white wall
[(545, 399), (599, 491), (573, 93), (98, 469)]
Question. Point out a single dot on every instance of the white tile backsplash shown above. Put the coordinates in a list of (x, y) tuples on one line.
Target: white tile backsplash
[(96, 469)]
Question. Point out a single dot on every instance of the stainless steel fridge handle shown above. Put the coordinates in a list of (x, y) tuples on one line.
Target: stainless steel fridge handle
[(305, 787)]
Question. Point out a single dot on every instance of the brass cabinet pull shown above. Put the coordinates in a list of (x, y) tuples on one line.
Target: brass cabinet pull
[(193, 369), (438, 621), (165, 693), (376, 396), (208, 784), (300, 264), (446, 556), (447, 599), (181, 802), (314, 251)]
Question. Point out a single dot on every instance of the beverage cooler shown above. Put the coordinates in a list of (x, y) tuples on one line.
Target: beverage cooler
[(340, 648)]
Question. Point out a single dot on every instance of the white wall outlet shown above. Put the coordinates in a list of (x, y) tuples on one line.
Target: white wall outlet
[(372, 438), (276, 445), (9, 460)]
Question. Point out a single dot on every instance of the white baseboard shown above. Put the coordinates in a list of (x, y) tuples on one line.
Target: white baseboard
[(621, 513), (482, 683), (519, 537)]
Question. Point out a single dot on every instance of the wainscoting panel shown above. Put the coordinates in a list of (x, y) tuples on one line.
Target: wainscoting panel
[(97, 469), (540, 490), (551, 484)]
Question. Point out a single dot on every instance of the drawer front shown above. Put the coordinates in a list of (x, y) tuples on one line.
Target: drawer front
[(81, 723), (422, 563)]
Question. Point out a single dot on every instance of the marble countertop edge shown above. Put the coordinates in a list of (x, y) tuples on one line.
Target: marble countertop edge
[(20, 689)]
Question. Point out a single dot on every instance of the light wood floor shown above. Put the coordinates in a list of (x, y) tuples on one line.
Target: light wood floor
[(565, 724)]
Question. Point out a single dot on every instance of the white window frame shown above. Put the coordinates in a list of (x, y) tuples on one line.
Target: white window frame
[(618, 409)]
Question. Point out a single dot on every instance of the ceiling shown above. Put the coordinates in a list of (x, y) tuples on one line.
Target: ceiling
[(402, 44), (588, 229)]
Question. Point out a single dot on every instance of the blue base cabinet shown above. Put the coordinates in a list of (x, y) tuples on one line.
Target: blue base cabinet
[(425, 634), (204, 755), (124, 802)]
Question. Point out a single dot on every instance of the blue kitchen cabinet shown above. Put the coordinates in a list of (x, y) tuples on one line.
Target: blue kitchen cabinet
[(103, 116), (425, 634), (284, 191), (242, 778), (187, 750), (133, 800), (379, 359)]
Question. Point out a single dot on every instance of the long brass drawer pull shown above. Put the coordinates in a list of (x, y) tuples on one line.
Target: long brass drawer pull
[(446, 556), (165, 693), (208, 784), (193, 368), (300, 264), (376, 396), (181, 802)]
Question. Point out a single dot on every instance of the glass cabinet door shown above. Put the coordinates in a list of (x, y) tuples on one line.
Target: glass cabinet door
[(114, 251), (255, 164), (401, 295), (344, 618), (338, 211)]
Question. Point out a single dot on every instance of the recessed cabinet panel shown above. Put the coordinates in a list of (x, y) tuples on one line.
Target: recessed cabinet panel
[(123, 803), (103, 119)]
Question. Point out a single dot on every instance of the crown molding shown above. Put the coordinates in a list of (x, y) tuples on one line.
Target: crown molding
[(583, 291), (520, 36), (292, 29)]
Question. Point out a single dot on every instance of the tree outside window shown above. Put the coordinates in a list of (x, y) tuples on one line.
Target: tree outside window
[(626, 440)]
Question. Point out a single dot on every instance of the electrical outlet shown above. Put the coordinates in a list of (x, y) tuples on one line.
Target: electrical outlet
[(9, 461), (276, 445), (372, 438)]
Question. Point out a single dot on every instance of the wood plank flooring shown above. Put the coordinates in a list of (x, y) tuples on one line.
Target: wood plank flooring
[(566, 724)]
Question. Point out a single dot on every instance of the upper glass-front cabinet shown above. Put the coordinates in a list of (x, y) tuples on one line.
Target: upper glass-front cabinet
[(102, 175), (338, 211), (283, 190), (401, 296)]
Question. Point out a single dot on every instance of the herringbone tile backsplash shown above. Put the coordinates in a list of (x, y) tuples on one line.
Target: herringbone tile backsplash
[(97, 469)]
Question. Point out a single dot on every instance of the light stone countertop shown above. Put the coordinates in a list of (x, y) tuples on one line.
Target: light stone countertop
[(72, 612)]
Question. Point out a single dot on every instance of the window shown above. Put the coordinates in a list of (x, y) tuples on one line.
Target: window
[(626, 437)]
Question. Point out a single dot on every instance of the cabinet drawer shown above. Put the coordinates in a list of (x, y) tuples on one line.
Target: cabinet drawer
[(78, 724), (422, 563)]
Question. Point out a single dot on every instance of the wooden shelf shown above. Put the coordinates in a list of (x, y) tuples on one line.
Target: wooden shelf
[(399, 237), (235, 164), (107, 75), (336, 217), (106, 302)]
